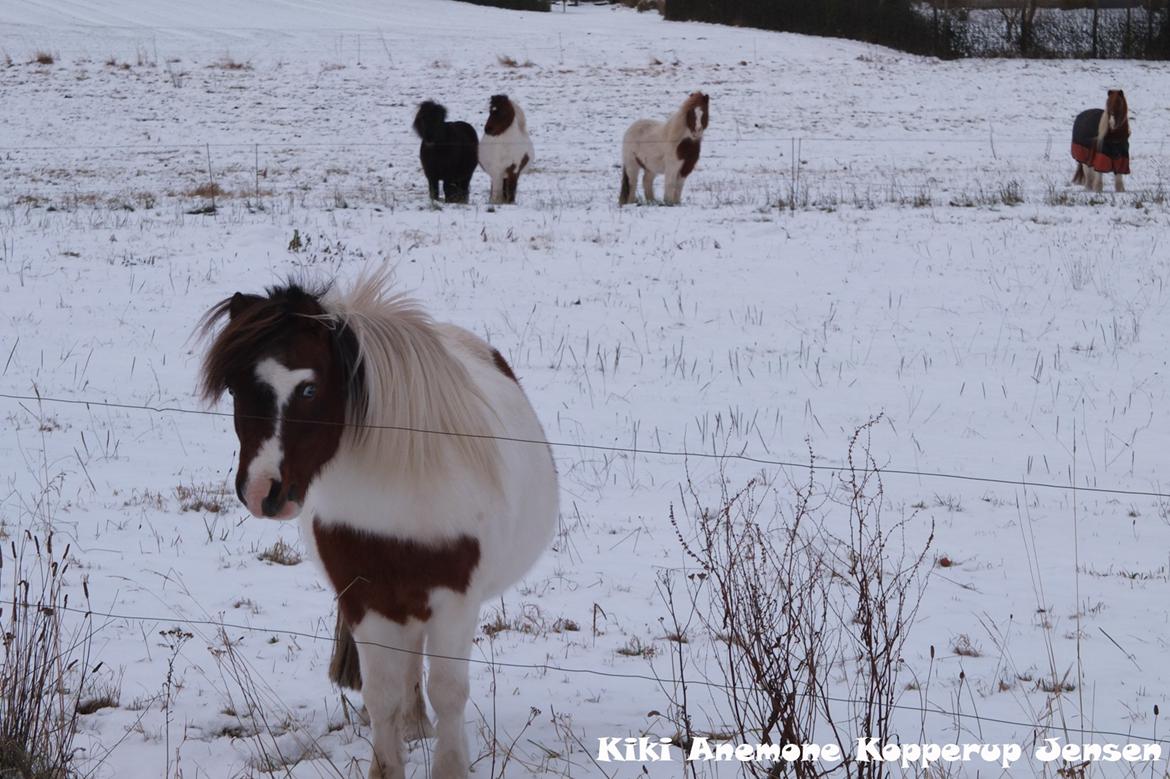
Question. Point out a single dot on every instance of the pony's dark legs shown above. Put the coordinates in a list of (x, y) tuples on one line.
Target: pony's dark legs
[(433, 186), (457, 190)]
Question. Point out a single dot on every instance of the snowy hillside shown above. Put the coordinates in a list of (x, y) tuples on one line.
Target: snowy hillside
[(922, 258)]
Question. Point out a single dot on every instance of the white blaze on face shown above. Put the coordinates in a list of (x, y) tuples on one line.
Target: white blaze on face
[(265, 466)]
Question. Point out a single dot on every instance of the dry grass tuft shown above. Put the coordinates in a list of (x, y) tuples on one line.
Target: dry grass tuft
[(209, 189), (45, 664), (281, 553), (43, 58), (965, 647), (636, 648), (213, 499), (227, 63), (512, 62)]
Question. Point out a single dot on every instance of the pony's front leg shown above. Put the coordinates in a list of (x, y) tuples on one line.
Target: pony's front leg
[(449, 635), (648, 185), (415, 722), (673, 191), (386, 687), (497, 195), (1118, 182)]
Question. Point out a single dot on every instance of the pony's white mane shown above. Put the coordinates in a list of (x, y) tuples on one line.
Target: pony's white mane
[(521, 121), (412, 381)]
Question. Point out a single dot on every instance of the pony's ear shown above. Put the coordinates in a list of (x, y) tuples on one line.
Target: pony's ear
[(241, 303)]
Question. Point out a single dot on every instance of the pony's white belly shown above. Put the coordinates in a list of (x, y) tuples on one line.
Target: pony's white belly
[(498, 152), (645, 144), (513, 524)]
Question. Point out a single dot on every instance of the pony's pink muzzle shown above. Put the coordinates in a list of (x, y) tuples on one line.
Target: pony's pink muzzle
[(270, 499)]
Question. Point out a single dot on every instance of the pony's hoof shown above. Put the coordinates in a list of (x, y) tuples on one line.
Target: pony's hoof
[(449, 765), (378, 771)]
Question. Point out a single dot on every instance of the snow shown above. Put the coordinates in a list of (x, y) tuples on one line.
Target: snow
[(1019, 342)]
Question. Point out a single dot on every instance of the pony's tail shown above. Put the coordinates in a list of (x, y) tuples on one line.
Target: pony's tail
[(1079, 176), (345, 668), (624, 197), (429, 120)]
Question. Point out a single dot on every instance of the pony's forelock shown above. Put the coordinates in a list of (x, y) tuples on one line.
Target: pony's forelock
[(239, 338)]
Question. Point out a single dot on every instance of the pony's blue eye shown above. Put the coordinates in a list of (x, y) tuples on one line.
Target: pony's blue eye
[(231, 392), (308, 391)]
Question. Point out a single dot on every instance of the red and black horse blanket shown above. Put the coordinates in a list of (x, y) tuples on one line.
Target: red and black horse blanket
[(1109, 154)]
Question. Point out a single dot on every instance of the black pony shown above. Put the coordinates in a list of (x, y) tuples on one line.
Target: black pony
[(449, 152)]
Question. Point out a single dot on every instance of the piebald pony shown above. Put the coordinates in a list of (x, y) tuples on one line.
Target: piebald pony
[(670, 148)]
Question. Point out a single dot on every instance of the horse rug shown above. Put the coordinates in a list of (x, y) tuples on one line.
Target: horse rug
[(1111, 155)]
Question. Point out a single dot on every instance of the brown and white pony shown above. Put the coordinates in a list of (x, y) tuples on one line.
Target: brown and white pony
[(1100, 143), (333, 393), (505, 149), (670, 147)]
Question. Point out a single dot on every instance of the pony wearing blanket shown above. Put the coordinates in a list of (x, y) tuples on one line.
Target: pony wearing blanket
[(1100, 143), (448, 152), (419, 472), (670, 147), (506, 148)]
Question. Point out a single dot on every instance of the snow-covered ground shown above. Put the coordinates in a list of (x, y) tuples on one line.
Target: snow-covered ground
[(1019, 342)]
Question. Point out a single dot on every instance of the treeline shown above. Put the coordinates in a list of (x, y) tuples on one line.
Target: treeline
[(890, 22), (1140, 32), (1029, 28), (514, 5)]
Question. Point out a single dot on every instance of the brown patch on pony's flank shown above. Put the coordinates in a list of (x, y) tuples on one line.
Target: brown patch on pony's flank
[(688, 152), (502, 365), (345, 669), (391, 576), (501, 114)]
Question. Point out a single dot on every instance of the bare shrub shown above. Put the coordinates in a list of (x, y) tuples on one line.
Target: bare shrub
[(810, 606), (44, 58), (45, 665)]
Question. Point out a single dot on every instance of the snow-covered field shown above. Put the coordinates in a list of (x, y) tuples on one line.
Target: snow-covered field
[(1020, 341)]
